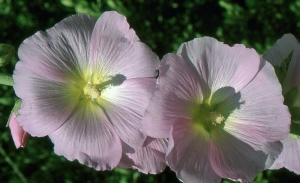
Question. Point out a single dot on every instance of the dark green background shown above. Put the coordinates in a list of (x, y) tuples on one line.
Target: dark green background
[(161, 24)]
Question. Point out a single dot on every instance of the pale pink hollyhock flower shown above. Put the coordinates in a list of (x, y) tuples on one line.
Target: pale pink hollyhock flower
[(221, 108), (290, 156), (19, 136), (86, 83)]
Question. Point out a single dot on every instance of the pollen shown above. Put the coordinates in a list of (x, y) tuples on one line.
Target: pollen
[(91, 91), (215, 118)]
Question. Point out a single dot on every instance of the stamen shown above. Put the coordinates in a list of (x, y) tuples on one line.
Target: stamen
[(91, 91), (215, 118)]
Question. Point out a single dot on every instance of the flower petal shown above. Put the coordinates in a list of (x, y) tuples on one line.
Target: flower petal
[(125, 105), (220, 65), (19, 136), (89, 137), (187, 154), (259, 113), (46, 104), (290, 156), (116, 49), (279, 52), (148, 158), (233, 158), (178, 90), (60, 53), (281, 49)]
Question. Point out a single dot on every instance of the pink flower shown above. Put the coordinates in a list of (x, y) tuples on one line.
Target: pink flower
[(221, 108), (86, 83), (19, 136), (290, 74)]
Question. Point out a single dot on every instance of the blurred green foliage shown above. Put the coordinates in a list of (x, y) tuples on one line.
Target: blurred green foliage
[(161, 24)]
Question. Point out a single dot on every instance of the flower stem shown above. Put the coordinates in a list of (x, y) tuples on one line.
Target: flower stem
[(6, 79), (11, 163)]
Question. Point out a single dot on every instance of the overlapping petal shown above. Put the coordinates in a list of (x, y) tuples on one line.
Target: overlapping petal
[(61, 53), (125, 105), (150, 158), (233, 158), (124, 54), (220, 65), (258, 113), (176, 91), (46, 104), (188, 153), (89, 137), (290, 156)]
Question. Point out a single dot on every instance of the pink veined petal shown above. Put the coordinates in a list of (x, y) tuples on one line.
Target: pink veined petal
[(19, 136), (46, 104), (116, 49), (89, 137), (124, 106), (281, 49), (150, 158), (257, 111), (233, 158), (187, 154), (60, 53), (220, 65), (178, 90), (290, 156), (271, 149)]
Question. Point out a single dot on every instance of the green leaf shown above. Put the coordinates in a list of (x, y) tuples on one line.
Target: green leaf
[(295, 112), (6, 52), (295, 128), (15, 109), (290, 96)]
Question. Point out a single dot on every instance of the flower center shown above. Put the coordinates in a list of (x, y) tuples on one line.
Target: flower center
[(215, 118), (91, 91), (206, 117)]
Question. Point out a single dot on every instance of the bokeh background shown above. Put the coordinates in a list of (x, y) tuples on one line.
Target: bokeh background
[(161, 24)]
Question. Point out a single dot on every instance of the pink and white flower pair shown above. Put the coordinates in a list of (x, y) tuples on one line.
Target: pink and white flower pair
[(87, 83)]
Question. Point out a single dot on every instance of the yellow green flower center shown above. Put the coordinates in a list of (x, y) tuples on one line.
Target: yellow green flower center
[(215, 118), (206, 118), (91, 91)]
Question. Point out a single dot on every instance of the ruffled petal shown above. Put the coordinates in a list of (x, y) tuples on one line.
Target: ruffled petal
[(178, 90), (257, 111), (19, 136), (89, 137), (220, 65), (60, 53), (233, 158), (116, 49), (124, 106), (150, 158), (290, 156), (187, 154), (46, 104)]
